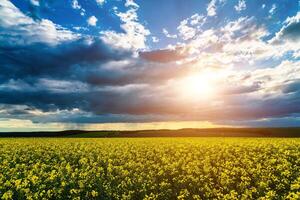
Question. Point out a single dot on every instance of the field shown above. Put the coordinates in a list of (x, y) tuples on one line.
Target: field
[(150, 168)]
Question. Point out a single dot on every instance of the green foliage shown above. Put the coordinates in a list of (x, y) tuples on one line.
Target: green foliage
[(153, 168)]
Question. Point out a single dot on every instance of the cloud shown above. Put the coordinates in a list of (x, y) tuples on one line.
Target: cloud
[(296, 54), (242, 24), (135, 34), (273, 9), (92, 21), (16, 26), (35, 2), (266, 122), (185, 31), (241, 6), (189, 27), (155, 39), (241, 89), (289, 32), (167, 34), (75, 5), (100, 2), (25, 61), (237, 41), (131, 3), (197, 19), (294, 86), (163, 56), (93, 83), (211, 8), (83, 69)]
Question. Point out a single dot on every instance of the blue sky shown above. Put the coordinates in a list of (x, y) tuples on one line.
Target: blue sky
[(128, 64)]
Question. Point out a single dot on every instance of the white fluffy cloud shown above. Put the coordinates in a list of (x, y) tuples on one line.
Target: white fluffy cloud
[(211, 8), (273, 9), (100, 2), (92, 21), (287, 39), (185, 31), (240, 42), (35, 2), (155, 39), (189, 27), (167, 34), (75, 5), (135, 34), (273, 80), (15, 24), (197, 19), (237, 41), (131, 3), (240, 6)]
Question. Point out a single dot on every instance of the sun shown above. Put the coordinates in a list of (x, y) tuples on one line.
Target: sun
[(198, 86)]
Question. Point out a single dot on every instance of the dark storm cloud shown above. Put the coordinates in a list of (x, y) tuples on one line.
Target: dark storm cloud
[(240, 89), (129, 93), (43, 100), (43, 60), (292, 121), (243, 109), (138, 72), (292, 87), (143, 104), (164, 55), (136, 101), (40, 74), (250, 108), (72, 116), (116, 94)]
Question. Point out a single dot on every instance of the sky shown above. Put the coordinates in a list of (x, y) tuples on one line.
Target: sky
[(133, 64)]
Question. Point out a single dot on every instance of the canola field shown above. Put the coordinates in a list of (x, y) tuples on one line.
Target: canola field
[(150, 168)]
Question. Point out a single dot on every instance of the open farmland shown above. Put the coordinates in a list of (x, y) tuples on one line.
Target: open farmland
[(150, 168)]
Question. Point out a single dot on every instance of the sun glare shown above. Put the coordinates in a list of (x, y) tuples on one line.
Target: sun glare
[(198, 86)]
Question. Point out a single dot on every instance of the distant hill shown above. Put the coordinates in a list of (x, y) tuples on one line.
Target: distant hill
[(41, 133), (209, 132)]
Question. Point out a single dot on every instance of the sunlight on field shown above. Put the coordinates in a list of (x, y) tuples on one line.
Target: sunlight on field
[(169, 168)]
